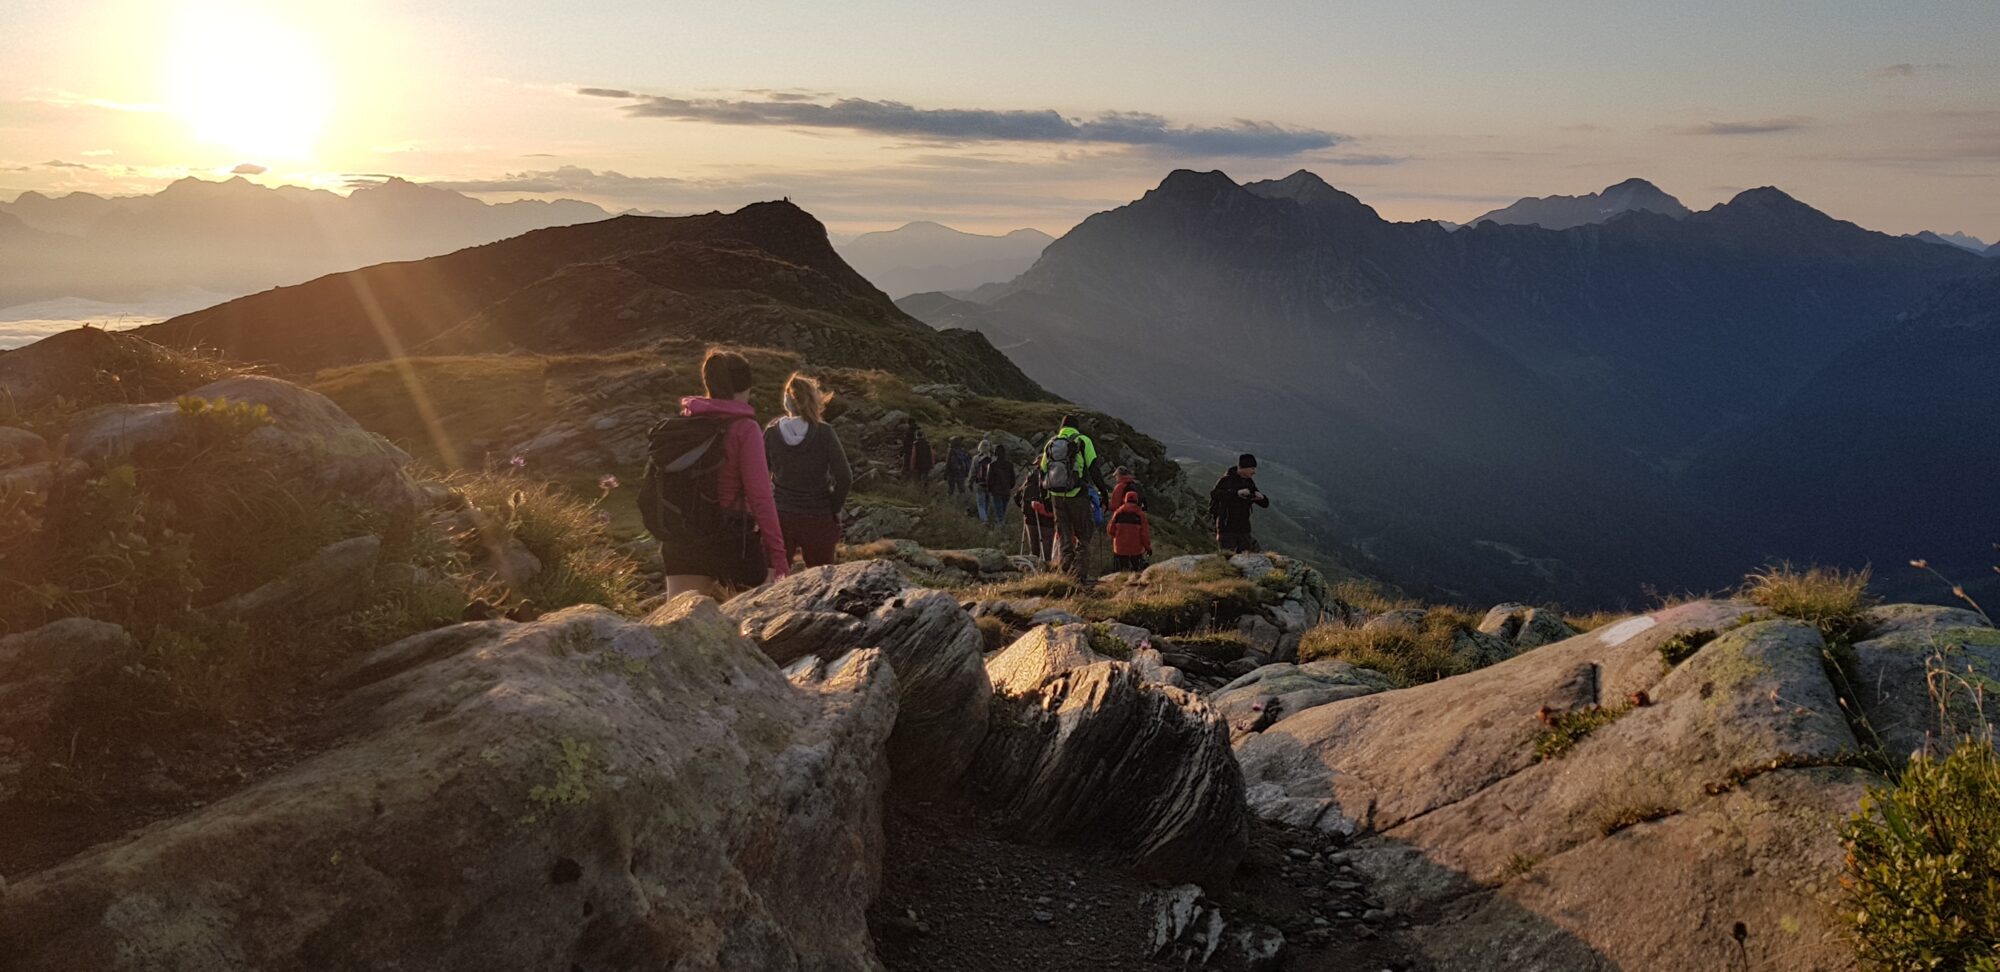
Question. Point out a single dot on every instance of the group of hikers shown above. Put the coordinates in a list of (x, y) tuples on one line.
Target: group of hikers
[(732, 507)]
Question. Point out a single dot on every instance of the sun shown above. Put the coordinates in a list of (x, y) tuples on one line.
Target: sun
[(248, 83)]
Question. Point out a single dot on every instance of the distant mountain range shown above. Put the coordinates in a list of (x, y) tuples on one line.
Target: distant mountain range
[(238, 237), (1963, 241), (1563, 212), (1501, 411), (925, 256)]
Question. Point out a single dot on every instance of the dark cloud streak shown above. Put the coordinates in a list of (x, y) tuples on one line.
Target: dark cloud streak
[(1243, 138), (1765, 126)]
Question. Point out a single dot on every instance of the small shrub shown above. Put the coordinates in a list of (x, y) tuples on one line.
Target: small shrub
[(1519, 865), (569, 535), (1682, 646), (994, 634), (1923, 865), (1410, 656), (1036, 585), (1566, 729), (1371, 597), (1104, 644), (1833, 600), (962, 561)]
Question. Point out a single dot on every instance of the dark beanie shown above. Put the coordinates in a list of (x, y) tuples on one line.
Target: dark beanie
[(1246, 461)]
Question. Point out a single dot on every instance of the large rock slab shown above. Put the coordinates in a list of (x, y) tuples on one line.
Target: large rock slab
[(1043, 653), (1915, 654), (932, 643), (1275, 692), (1713, 795), (1098, 755), (580, 792)]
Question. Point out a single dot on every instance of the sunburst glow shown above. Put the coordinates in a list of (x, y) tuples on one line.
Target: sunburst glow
[(248, 83)]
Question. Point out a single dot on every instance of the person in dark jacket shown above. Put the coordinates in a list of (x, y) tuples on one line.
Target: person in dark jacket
[(918, 460), (1038, 521), (994, 485), (957, 466), (1230, 502), (1131, 533), (809, 472)]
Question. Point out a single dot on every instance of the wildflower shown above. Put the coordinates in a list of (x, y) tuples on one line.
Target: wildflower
[(1920, 564), (518, 462), (604, 517), (607, 482)]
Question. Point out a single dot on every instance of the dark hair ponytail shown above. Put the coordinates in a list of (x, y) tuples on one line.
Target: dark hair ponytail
[(724, 374)]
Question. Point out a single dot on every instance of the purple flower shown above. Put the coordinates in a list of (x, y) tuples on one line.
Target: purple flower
[(607, 482), (518, 462), (604, 517)]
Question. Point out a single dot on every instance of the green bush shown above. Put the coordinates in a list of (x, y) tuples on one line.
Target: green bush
[(1923, 865), (1682, 646), (569, 535)]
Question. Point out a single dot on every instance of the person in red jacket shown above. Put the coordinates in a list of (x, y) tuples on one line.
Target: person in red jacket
[(1124, 483), (1131, 533)]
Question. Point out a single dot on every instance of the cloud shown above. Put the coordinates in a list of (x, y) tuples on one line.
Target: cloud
[(1906, 70), (568, 178), (1764, 126), (249, 168), (60, 164), (1242, 137)]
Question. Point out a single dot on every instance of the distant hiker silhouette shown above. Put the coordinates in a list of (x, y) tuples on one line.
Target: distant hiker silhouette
[(992, 484), (1229, 505), (1069, 465), (957, 466), (707, 492), (917, 458), (809, 472)]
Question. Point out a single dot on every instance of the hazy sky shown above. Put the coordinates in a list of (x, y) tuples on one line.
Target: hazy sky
[(991, 116)]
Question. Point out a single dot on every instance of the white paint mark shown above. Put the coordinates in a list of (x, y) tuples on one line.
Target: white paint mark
[(1623, 631)]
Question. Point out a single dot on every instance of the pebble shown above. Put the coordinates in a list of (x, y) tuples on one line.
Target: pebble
[(1297, 854), (1376, 916), (1044, 917)]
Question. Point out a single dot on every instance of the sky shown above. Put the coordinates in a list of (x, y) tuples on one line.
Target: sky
[(988, 117)]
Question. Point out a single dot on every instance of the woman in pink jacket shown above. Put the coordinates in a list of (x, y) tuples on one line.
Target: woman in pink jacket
[(743, 484)]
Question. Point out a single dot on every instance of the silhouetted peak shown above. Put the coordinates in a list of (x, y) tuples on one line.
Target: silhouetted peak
[(1767, 198), (1309, 190), (1634, 184), (1187, 182)]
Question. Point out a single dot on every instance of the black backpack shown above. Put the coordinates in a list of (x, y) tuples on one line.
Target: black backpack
[(677, 496)]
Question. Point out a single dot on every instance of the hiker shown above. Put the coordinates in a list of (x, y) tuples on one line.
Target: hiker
[(1229, 503), (957, 466), (712, 508), (1038, 522), (1131, 533), (917, 459), (1123, 482), (1069, 464), (993, 485), (982, 462), (809, 472)]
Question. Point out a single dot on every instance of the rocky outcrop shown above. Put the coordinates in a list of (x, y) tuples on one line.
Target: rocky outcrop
[(1093, 753), (1275, 692), (307, 434), (338, 579), (580, 792), (1518, 831), (1525, 627), (933, 645), (40, 672), (1915, 656)]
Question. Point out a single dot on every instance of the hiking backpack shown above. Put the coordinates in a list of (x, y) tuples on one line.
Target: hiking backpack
[(678, 494), (1064, 460)]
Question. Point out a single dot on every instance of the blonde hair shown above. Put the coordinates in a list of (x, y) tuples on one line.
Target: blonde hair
[(805, 399)]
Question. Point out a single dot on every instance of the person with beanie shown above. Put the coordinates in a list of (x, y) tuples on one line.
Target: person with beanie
[(1229, 505)]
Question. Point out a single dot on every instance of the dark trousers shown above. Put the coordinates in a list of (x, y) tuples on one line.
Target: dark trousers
[(1237, 542), (811, 535), (1132, 562), (1074, 530)]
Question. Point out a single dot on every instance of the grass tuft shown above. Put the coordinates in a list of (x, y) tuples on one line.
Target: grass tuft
[(1833, 600), (1566, 729)]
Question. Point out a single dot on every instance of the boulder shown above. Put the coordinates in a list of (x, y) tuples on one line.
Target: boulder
[(872, 523), (1041, 654), (1058, 616), (1271, 693), (1192, 931), (19, 447), (1398, 618), (1102, 758), (986, 559), (930, 641), (1154, 668), (579, 792), (40, 672), (339, 579), (1720, 782), (1260, 633), (308, 435), (1526, 627), (1255, 566), (1174, 567), (1914, 654), (1130, 635)]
